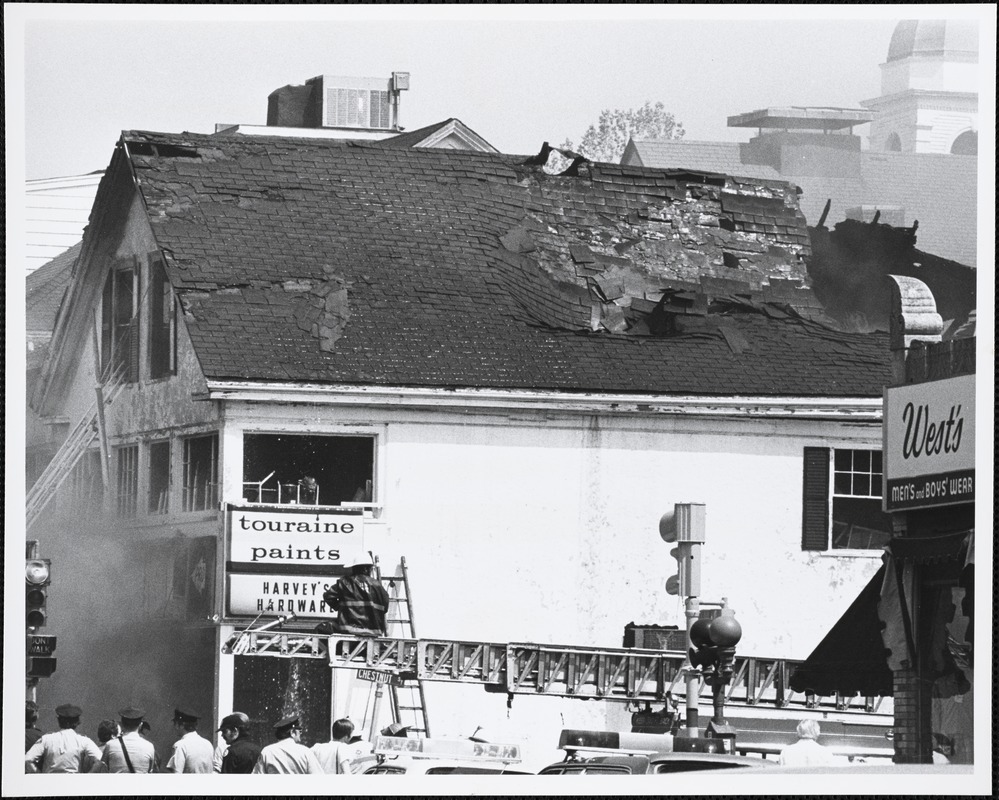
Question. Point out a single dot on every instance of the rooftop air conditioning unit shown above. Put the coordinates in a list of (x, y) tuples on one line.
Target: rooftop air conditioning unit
[(341, 102)]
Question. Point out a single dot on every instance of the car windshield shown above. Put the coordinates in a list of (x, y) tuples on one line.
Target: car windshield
[(586, 769), (691, 766)]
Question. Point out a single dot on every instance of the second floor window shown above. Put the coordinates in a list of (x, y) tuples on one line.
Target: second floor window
[(842, 500), (162, 323), (159, 477), (119, 322), (127, 480), (201, 463)]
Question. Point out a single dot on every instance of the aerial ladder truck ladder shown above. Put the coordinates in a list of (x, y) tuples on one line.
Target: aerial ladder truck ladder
[(90, 427)]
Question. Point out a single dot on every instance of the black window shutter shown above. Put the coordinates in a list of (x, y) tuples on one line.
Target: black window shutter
[(815, 515)]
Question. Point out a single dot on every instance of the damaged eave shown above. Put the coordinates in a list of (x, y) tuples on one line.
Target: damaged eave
[(861, 409)]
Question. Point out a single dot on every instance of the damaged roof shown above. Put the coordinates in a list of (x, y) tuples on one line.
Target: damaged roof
[(345, 262)]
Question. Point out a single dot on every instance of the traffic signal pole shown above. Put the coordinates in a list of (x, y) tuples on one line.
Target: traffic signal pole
[(685, 526), (692, 611)]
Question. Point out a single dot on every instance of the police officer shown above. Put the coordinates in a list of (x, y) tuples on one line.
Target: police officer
[(243, 751), (287, 754), (64, 750), (128, 751), (192, 753)]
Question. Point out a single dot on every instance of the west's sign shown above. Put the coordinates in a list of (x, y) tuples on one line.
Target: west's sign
[(283, 561), (929, 444)]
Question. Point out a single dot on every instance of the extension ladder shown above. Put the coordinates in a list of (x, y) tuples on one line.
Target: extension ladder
[(409, 704)]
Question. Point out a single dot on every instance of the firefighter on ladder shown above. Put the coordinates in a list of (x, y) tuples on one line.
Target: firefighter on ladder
[(360, 601)]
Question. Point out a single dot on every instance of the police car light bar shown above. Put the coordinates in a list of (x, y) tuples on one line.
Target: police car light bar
[(612, 741), (463, 749)]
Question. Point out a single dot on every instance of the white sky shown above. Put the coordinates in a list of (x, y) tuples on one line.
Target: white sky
[(516, 75)]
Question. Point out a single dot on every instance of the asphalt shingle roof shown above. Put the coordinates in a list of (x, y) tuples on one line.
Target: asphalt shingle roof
[(45, 287), (326, 261)]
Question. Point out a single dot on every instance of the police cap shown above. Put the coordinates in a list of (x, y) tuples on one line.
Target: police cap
[(179, 715), (67, 711), (286, 722), (130, 713)]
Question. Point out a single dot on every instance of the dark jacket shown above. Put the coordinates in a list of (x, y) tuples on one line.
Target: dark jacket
[(241, 756), (361, 602)]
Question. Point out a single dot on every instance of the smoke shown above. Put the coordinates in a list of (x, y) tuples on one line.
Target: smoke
[(123, 635)]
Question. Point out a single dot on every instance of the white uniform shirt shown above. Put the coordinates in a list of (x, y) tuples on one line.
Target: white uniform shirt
[(191, 753), (333, 757), (220, 752), (141, 753), (63, 751), (289, 757), (807, 753)]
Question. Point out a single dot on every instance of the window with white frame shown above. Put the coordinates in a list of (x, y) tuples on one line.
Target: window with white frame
[(201, 464), (127, 480), (308, 469), (842, 500)]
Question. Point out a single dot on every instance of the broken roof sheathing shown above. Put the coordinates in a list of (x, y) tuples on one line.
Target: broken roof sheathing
[(342, 262)]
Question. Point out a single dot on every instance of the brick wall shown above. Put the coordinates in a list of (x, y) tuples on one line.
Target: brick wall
[(912, 719)]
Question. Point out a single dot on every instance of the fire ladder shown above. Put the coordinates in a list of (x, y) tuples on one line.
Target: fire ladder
[(409, 703), (76, 444), (616, 674)]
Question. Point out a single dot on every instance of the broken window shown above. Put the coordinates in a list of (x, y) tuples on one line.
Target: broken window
[(308, 470), (86, 484), (126, 480), (159, 477), (162, 323), (120, 323), (842, 500), (201, 460)]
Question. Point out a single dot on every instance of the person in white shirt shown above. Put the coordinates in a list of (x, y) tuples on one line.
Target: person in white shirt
[(65, 750), (129, 751), (192, 753), (807, 752), (287, 755), (336, 755)]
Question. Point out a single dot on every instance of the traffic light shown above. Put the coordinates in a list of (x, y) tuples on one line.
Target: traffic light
[(37, 577), (703, 653), (714, 642), (685, 526)]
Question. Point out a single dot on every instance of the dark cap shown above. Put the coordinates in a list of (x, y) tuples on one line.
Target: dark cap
[(235, 720), (184, 716), (286, 722), (68, 711), (131, 713), (395, 729)]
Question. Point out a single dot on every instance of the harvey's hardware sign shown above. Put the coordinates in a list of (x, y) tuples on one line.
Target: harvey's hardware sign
[(282, 561), (929, 444)]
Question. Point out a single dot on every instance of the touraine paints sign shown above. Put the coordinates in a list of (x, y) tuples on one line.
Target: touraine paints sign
[(281, 561), (929, 444)]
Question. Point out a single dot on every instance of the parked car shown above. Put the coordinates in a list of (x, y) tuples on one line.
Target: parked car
[(437, 766), (403, 756)]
